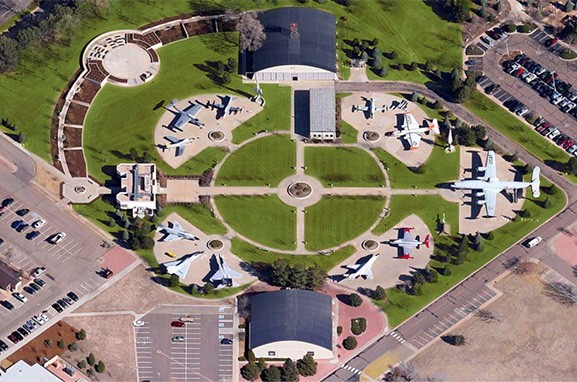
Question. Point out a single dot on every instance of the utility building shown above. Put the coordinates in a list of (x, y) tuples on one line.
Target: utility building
[(322, 114), (291, 323), (300, 45), (138, 188)]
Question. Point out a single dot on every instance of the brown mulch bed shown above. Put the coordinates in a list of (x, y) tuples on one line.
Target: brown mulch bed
[(172, 34), (96, 72), (75, 114), (73, 137), (227, 25), (199, 27), (33, 351), (88, 91), (151, 38), (76, 164), (160, 22)]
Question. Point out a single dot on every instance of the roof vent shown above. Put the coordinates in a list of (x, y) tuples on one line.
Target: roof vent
[(294, 30)]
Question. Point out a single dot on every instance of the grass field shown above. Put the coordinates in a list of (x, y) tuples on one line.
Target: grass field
[(252, 254), (337, 219), (349, 134), (440, 167), (264, 161), (264, 219), (343, 166)]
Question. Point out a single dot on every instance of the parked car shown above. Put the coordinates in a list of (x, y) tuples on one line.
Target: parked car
[(226, 341), (3, 345), (57, 238), (6, 202), (138, 323), (57, 308), (177, 324), (72, 295), (38, 223), (13, 338), (32, 235), (106, 273), (39, 282), (7, 304), (492, 88), (19, 296), (22, 212), (551, 41), (29, 290), (34, 286), (177, 339), (572, 149), (22, 331), (534, 241), (38, 271)]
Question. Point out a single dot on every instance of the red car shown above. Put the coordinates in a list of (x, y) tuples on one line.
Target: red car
[(552, 41), (177, 324)]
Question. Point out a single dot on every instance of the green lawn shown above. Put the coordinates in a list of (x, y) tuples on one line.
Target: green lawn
[(343, 166), (337, 219), (198, 215), (264, 161), (440, 167), (348, 133), (275, 115), (264, 219), (252, 254)]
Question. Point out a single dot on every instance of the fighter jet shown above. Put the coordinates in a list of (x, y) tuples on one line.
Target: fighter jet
[(224, 274), (370, 107), (175, 232), (489, 185), (185, 116), (362, 269), (178, 144), (225, 107), (411, 131), (181, 266), (407, 243)]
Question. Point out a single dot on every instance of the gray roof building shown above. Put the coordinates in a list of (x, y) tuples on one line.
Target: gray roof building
[(291, 323), (322, 112), (297, 40), (10, 279)]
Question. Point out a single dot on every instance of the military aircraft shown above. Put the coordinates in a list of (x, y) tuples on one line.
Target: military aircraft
[(362, 269), (174, 232), (224, 274), (489, 185), (225, 107), (178, 144), (411, 131), (181, 266), (370, 107), (185, 116), (407, 243)]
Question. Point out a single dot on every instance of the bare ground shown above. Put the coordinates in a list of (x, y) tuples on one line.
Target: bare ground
[(48, 182), (534, 339)]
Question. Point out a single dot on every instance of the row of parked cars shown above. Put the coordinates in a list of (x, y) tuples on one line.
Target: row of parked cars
[(492, 36), (36, 223), (545, 82)]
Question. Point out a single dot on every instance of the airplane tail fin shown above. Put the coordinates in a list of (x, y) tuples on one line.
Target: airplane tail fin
[(536, 182), (427, 241), (434, 126), (171, 104)]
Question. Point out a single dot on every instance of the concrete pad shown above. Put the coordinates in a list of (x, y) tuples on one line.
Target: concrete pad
[(127, 61), (387, 122), (201, 134), (505, 209), (203, 267), (564, 244), (388, 268)]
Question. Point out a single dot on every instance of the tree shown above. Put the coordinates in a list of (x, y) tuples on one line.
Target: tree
[(355, 300), (432, 275), (480, 132), (289, 371), (29, 36), (569, 6), (456, 340), (572, 165), (428, 66), (380, 293), (375, 42), (393, 55), (91, 359), (146, 242), (225, 79), (208, 288), (414, 96), (111, 223), (81, 364), (498, 5), (350, 343), (261, 364), (383, 72), (455, 74), (8, 54), (490, 235), (21, 137), (100, 367), (339, 330), (307, 366), (61, 344), (419, 278), (463, 94), (251, 32), (250, 371), (437, 105), (403, 372), (73, 346), (459, 10), (438, 74), (527, 169), (376, 52), (173, 280), (465, 136), (563, 293), (81, 335), (364, 56), (525, 213), (272, 374), (479, 246), (377, 61), (146, 157), (546, 203), (48, 342), (413, 66), (365, 45), (125, 236), (231, 65)]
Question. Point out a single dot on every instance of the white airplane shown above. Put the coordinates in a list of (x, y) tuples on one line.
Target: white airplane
[(370, 107), (178, 144), (407, 243), (185, 116), (411, 131), (175, 232), (224, 274), (226, 106), (181, 266), (362, 270), (489, 185)]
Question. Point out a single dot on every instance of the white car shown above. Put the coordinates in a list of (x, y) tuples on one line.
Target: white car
[(138, 323), (20, 296), (38, 223), (40, 319), (38, 272), (534, 241), (57, 238)]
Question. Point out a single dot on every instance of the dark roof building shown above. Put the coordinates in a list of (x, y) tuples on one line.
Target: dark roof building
[(300, 45), (291, 323), (10, 279)]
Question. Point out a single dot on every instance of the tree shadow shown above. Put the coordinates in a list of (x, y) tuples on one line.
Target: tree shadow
[(556, 165)]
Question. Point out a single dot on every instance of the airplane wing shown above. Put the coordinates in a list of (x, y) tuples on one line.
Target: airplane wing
[(407, 235), (179, 150), (171, 139), (414, 139), (490, 201), (232, 273), (490, 166), (361, 108), (218, 275), (194, 110), (177, 226), (171, 237), (410, 123), (407, 250)]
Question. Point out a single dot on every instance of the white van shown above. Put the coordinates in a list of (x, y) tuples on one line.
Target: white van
[(534, 241)]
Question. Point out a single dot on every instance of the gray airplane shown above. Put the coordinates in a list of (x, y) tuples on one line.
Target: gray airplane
[(185, 116), (225, 107), (178, 144), (174, 232), (370, 107), (224, 274)]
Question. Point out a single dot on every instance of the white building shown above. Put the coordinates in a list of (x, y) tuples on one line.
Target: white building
[(322, 106), (138, 188), (21, 371)]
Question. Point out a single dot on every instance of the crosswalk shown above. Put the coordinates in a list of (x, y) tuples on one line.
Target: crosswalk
[(352, 369), (396, 335)]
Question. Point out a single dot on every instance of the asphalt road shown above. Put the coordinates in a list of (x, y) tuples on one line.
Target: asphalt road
[(10, 8), (444, 312)]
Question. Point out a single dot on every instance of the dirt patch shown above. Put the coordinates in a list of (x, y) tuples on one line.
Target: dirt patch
[(73, 137), (171, 34), (76, 163), (199, 27), (48, 182), (533, 339), (33, 351), (111, 340), (87, 91), (75, 114)]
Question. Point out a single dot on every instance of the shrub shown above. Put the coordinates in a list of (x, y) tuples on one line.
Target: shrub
[(490, 235), (339, 330), (91, 359), (413, 66), (250, 371), (458, 340), (527, 28), (355, 300), (525, 213), (358, 325), (510, 28), (414, 96), (80, 335), (250, 356), (380, 293), (432, 276), (73, 346), (350, 343), (437, 105), (100, 367), (393, 55), (81, 364), (378, 62), (307, 366), (48, 343), (61, 344), (375, 42), (445, 271)]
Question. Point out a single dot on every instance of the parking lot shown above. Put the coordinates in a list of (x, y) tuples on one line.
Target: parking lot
[(200, 355)]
